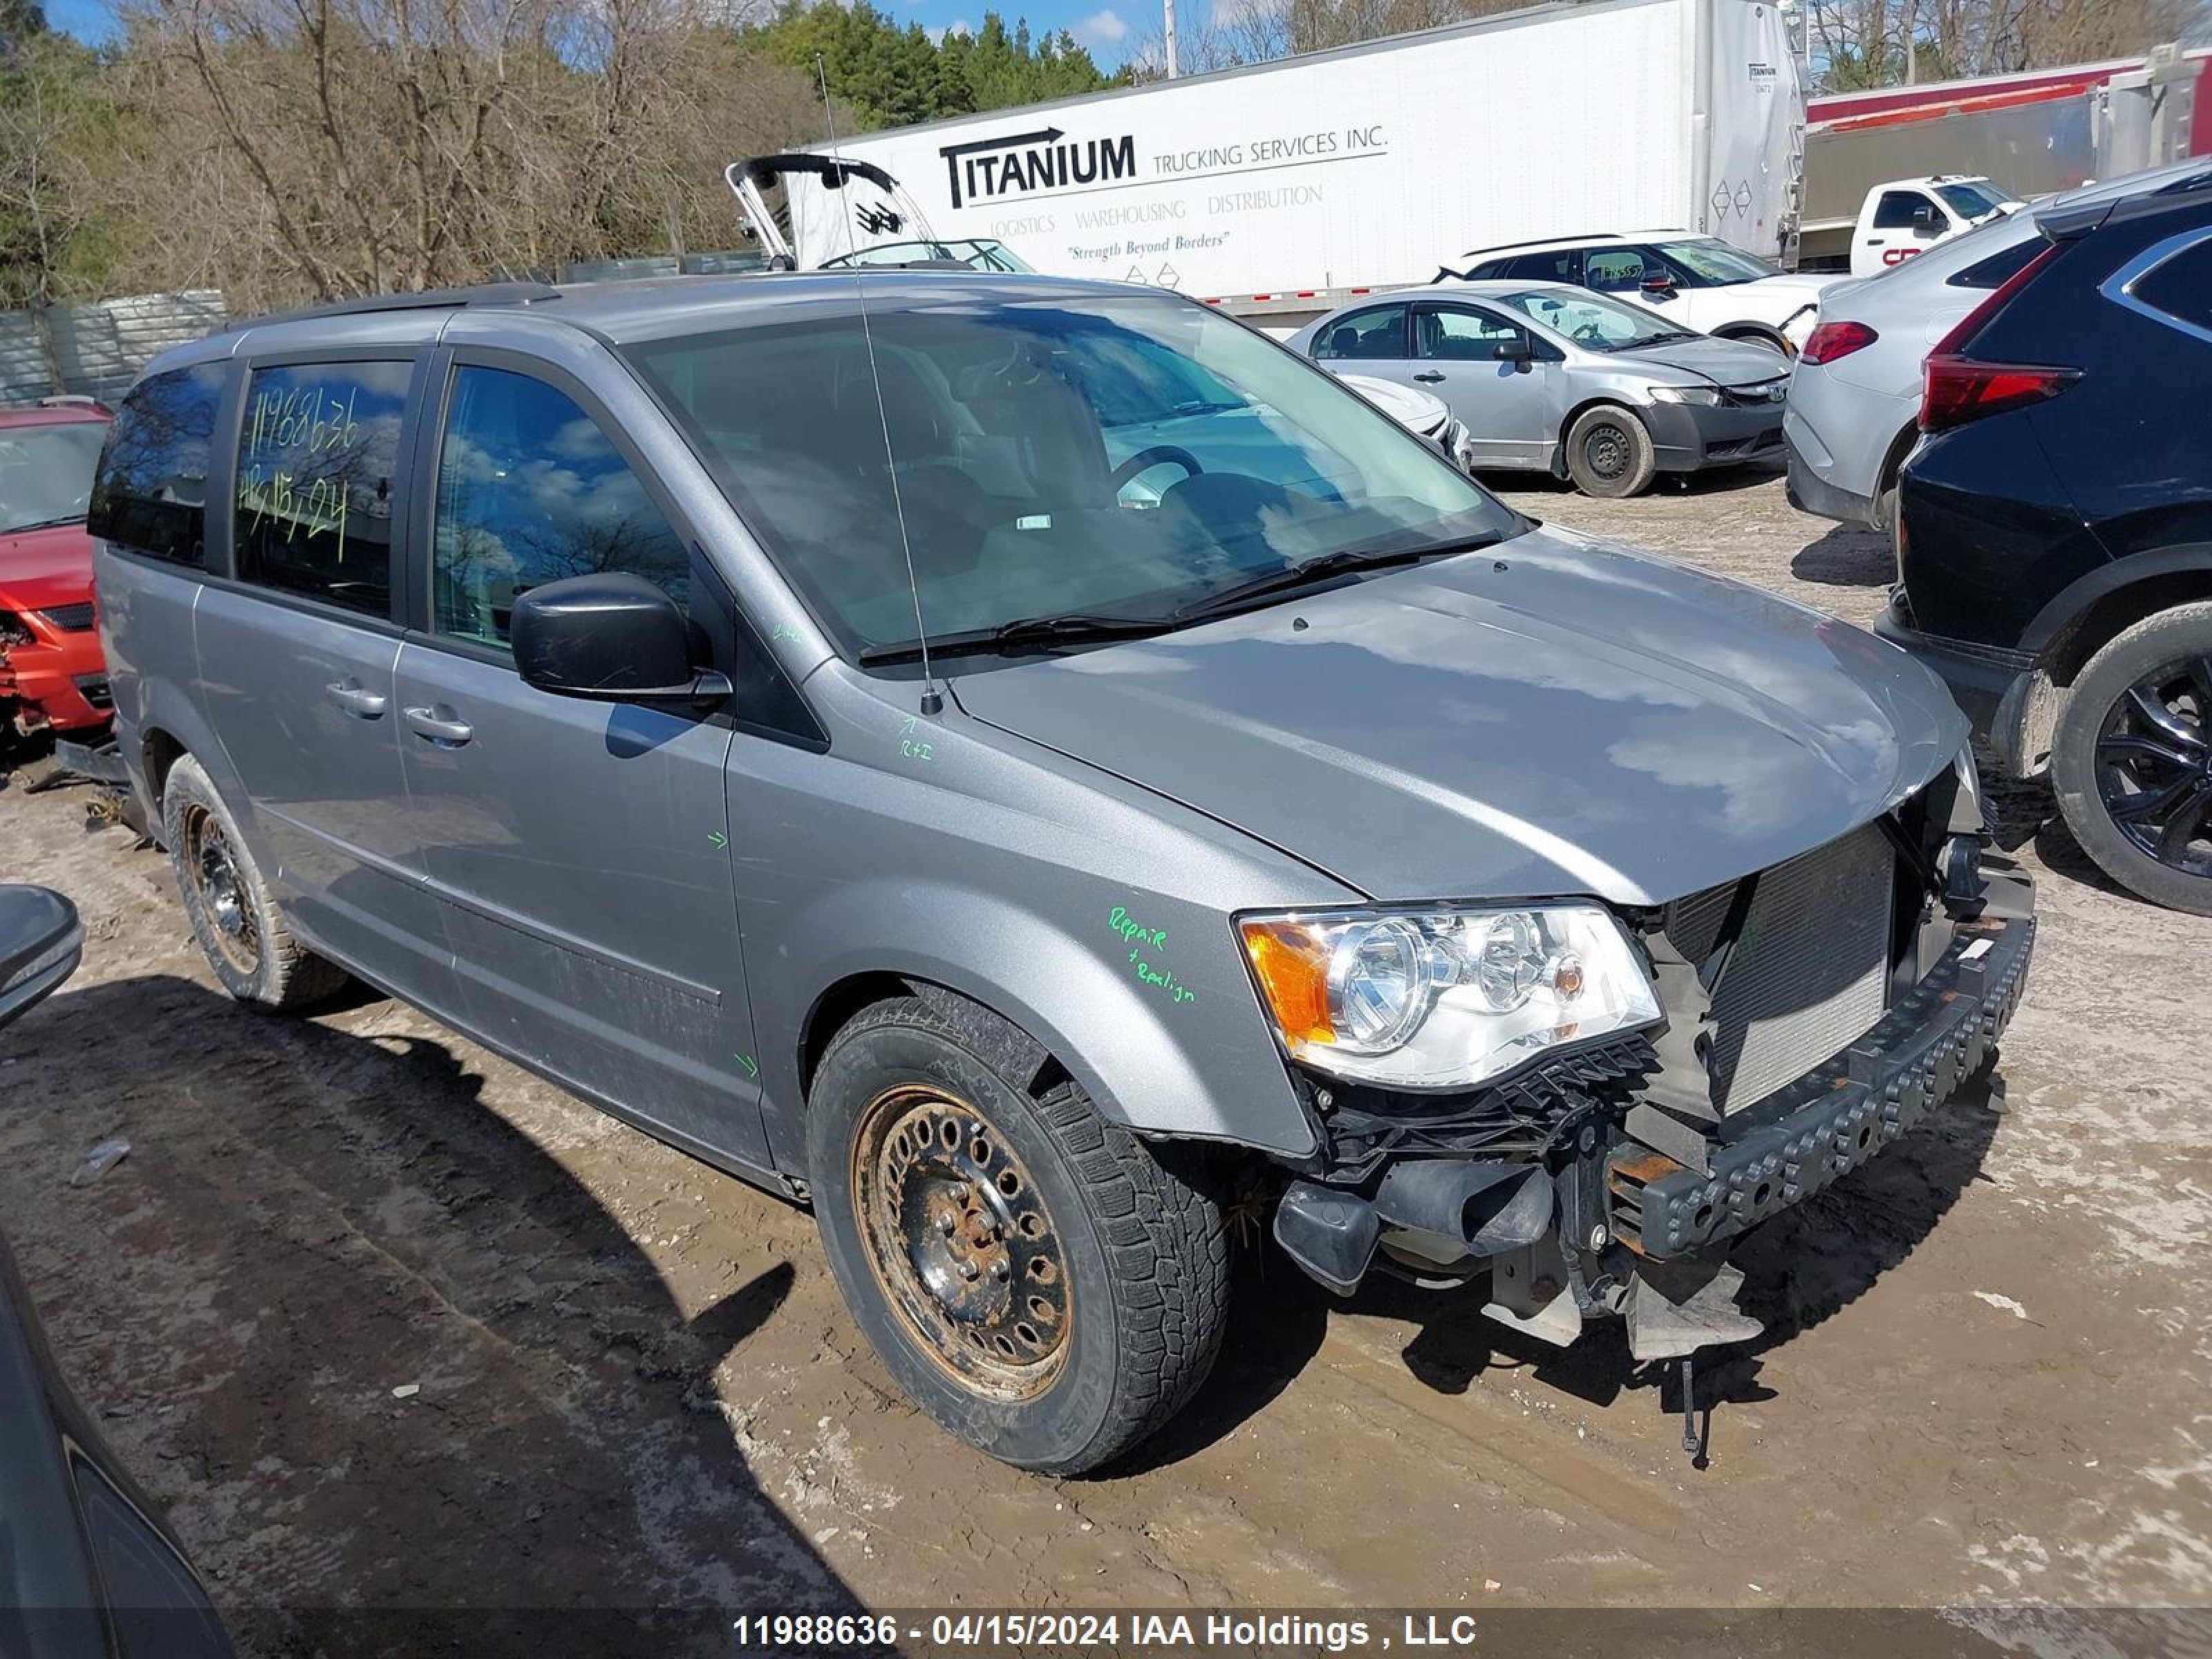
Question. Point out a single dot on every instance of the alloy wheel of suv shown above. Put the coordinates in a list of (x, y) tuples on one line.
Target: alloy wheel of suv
[(2154, 765), (2132, 759)]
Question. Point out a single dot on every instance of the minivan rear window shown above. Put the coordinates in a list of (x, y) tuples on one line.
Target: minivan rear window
[(316, 458), (150, 494)]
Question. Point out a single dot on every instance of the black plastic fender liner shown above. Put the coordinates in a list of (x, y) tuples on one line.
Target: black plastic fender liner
[(1489, 1205), (1329, 1232)]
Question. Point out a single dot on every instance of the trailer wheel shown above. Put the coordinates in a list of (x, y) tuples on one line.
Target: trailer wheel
[(1610, 453)]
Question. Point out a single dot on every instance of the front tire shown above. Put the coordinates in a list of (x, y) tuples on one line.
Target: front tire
[(227, 900), (1610, 453), (1033, 1277), (2131, 760)]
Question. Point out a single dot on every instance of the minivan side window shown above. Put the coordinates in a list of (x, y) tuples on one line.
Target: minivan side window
[(150, 494), (530, 490), (316, 459)]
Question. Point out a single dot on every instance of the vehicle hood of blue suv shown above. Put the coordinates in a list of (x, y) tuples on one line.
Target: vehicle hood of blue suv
[(1554, 715)]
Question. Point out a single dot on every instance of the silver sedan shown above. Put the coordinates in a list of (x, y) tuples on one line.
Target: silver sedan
[(1550, 377)]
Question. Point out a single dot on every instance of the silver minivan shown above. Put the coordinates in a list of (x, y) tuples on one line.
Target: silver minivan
[(1028, 768)]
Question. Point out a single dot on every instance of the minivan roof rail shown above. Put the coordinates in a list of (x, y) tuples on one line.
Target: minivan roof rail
[(432, 298)]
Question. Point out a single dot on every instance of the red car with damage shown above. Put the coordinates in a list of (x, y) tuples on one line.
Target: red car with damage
[(51, 673)]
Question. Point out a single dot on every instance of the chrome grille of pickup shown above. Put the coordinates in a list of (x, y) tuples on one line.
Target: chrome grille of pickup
[(1810, 973)]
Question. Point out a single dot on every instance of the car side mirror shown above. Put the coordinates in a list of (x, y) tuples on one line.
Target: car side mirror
[(613, 637), (1659, 282), (40, 941), (1924, 223), (1517, 352)]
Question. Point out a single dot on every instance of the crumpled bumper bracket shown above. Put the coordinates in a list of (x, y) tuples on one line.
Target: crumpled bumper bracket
[(1839, 1116)]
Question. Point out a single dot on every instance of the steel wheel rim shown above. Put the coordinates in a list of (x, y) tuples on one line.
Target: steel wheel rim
[(1606, 449), (212, 868), (959, 1237), (2154, 765)]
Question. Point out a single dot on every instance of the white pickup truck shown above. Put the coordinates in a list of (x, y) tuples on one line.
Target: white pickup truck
[(1906, 216)]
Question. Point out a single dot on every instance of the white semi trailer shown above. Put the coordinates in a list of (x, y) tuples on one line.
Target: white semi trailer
[(1285, 185)]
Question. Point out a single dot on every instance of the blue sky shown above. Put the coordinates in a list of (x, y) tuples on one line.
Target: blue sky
[(87, 20), (1111, 30)]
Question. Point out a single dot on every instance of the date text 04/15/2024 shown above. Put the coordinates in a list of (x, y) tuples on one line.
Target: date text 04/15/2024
[(1084, 1632)]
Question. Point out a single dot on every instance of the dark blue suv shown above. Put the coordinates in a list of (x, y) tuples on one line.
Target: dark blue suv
[(2054, 532)]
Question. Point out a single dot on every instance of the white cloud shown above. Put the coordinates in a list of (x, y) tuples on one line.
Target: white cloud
[(958, 26), (1103, 28)]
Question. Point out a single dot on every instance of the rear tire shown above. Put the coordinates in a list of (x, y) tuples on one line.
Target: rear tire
[(227, 900), (1610, 453), (1033, 1277), (2132, 759)]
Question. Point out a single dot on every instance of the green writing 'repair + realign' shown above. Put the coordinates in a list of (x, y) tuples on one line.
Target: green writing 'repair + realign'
[(1139, 937)]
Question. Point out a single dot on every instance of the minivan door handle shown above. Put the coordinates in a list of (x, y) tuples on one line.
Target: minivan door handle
[(439, 728), (357, 699), (1428, 375)]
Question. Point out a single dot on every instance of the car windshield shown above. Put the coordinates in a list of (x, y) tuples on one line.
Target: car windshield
[(1709, 262), (1973, 201), (1080, 457), (1594, 322), (978, 253), (45, 472)]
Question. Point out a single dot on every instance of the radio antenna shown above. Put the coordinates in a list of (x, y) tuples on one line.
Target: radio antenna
[(932, 702)]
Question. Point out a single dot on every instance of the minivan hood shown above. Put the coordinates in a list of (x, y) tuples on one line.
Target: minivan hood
[(1557, 715)]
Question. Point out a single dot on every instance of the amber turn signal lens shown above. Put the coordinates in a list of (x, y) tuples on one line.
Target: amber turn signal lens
[(1292, 966)]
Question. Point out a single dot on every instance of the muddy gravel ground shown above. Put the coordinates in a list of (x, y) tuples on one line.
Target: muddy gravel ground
[(630, 1383)]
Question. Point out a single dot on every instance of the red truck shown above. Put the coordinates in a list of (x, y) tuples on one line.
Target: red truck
[(52, 674)]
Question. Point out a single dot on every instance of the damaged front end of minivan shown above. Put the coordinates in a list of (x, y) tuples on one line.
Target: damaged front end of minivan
[(1802, 1019)]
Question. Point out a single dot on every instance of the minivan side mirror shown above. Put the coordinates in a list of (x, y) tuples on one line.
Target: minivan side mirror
[(40, 941), (1518, 352), (613, 637)]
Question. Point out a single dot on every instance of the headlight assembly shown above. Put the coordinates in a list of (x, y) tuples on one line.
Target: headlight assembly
[(1443, 999), (1707, 395)]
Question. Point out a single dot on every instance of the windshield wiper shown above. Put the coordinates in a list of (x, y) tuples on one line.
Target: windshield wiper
[(43, 523), (1071, 629), (1309, 572)]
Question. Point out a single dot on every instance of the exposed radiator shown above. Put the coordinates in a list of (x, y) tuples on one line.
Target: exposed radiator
[(1810, 972)]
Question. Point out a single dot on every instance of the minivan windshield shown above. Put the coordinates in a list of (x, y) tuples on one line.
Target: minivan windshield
[(1592, 322), (1708, 262), (1077, 459)]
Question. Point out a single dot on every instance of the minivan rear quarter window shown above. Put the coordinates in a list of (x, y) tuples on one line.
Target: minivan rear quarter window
[(316, 458), (148, 496)]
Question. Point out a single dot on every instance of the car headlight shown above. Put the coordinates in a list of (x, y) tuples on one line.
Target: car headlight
[(1443, 999), (1686, 394)]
